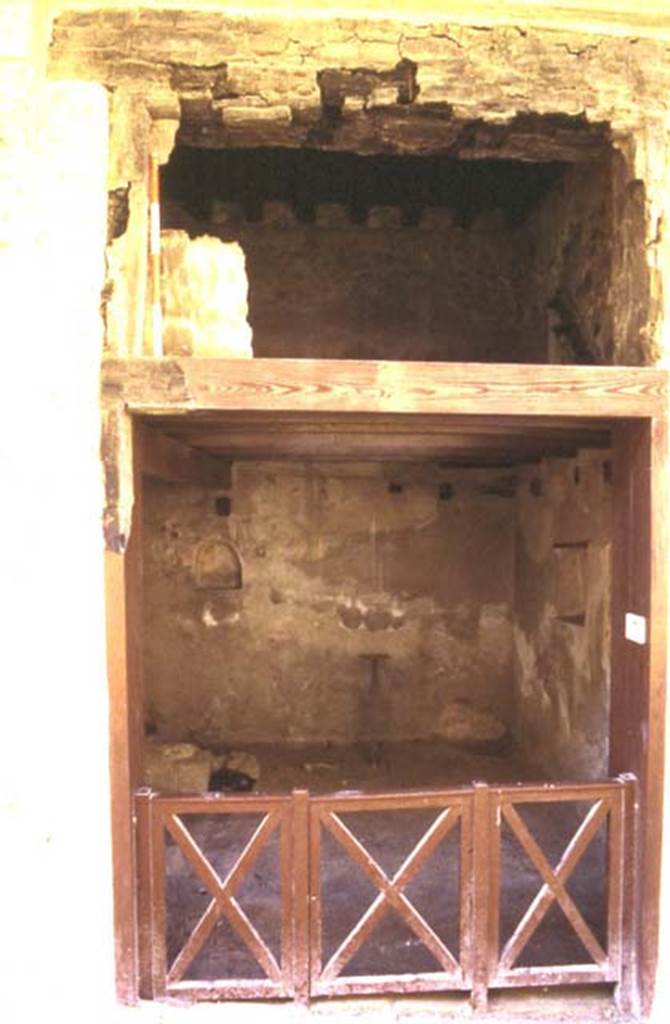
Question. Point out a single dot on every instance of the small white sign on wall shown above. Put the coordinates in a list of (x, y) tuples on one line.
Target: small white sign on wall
[(636, 628)]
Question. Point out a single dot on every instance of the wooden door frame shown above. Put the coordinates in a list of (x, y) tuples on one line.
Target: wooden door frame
[(635, 398)]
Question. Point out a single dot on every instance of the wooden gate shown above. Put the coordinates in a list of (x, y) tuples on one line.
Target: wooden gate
[(448, 816), (207, 846), (296, 897), (598, 823)]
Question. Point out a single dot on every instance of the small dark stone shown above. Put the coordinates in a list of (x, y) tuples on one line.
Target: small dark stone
[(227, 778)]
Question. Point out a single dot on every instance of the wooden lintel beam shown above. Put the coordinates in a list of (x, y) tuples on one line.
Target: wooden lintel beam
[(352, 386), (168, 459), (333, 445), (233, 424)]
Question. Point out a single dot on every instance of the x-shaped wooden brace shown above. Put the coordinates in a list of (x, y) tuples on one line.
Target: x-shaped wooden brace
[(554, 885), (391, 894), (223, 897)]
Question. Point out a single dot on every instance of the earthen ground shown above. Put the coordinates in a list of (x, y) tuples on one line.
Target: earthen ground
[(326, 768)]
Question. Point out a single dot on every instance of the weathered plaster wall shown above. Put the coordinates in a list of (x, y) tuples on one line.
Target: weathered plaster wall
[(338, 561), (54, 806), (562, 614)]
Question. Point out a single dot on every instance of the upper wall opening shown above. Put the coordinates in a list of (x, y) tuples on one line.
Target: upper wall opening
[(425, 256), (564, 276)]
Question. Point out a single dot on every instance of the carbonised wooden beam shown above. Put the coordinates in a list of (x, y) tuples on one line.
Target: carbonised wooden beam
[(352, 386), (170, 459)]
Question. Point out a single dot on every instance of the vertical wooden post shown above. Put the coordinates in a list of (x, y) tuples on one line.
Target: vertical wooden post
[(627, 992), (123, 604), (482, 898), (286, 894), (301, 896), (637, 721), (143, 843), (159, 964), (467, 941)]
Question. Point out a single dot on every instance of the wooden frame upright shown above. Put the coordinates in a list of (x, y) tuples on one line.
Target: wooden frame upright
[(634, 399)]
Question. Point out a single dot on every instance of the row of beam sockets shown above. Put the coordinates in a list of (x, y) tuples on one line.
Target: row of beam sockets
[(277, 214)]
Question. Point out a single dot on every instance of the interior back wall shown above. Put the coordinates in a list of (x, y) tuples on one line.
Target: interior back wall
[(336, 562), (380, 290)]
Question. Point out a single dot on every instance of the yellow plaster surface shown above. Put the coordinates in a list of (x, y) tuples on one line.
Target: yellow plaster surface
[(608, 16)]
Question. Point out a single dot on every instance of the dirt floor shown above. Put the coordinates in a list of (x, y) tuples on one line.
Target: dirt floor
[(370, 767), (389, 836)]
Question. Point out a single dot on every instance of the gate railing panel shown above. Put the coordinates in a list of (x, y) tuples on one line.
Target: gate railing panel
[(163, 817), (606, 812), (449, 810), (460, 877)]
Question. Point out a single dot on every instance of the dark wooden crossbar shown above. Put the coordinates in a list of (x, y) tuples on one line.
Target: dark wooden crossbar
[(474, 815)]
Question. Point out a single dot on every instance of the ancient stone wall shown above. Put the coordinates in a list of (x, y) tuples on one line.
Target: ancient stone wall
[(335, 562), (588, 288), (562, 614), (566, 284)]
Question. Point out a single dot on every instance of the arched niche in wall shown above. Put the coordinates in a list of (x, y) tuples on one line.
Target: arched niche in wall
[(217, 566)]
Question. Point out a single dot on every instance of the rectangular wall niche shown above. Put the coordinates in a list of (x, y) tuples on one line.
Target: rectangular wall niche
[(427, 257), (382, 622)]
